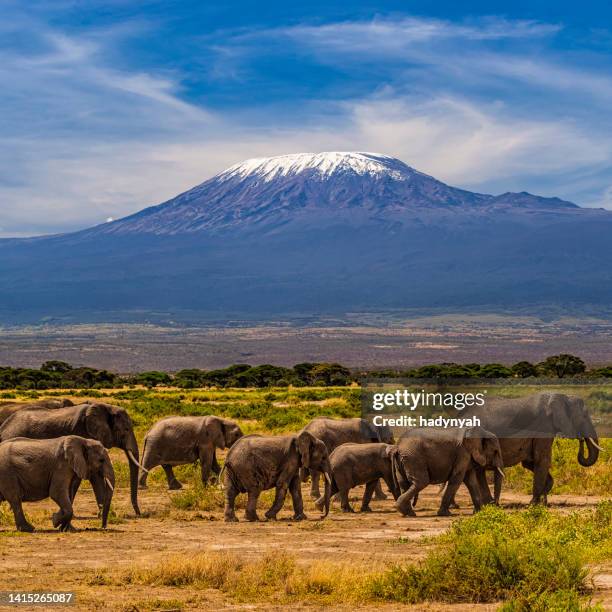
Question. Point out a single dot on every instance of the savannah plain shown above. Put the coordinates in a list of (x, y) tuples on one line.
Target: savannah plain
[(358, 340), (180, 555)]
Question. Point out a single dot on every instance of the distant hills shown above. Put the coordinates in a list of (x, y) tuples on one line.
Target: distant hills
[(317, 233)]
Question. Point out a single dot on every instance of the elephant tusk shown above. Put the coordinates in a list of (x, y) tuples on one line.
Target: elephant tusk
[(603, 450), (130, 454), (109, 484), (328, 478), (501, 472)]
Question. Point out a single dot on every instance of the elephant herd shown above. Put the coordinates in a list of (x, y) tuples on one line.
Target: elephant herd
[(47, 448)]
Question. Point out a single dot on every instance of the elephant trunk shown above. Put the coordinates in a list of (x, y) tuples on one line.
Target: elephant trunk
[(109, 487), (327, 494), (131, 451), (103, 484), (593, 454)]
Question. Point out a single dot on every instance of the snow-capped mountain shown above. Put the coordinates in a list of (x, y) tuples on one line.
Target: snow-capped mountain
[(306, 189), (317, 233)]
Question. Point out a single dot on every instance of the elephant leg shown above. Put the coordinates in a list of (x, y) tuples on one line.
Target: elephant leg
[(296, 498), (315, 493), (251, 508), (206, 461), (343, 494), (215, 467), (403, 503), (474, 486), (230, 499), (279, 500), (74, 487), (392, 487), (485, 493), (20, 520), (367, 495), (173, 483), (541, 474), (454, 482), (497, 487), (379, 494), (64, 515)]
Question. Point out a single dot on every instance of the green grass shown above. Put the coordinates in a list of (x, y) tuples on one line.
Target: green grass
[(498, 555)]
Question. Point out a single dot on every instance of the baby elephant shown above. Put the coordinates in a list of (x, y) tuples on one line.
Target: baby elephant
[(354, 464), (257, 463), (32, 470), (180, 440), (434, 456)]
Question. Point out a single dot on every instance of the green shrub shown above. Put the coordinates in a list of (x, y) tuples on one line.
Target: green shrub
[(497, 555)]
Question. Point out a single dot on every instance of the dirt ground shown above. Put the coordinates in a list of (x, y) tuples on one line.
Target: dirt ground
[(48, 560)]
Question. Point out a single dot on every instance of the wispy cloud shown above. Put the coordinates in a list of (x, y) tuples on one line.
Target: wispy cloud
[(487, 104)]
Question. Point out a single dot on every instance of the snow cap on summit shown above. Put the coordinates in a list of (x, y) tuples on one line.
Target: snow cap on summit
[(325, 164)]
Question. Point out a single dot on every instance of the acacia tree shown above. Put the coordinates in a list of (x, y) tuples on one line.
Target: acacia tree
[(562, 365)]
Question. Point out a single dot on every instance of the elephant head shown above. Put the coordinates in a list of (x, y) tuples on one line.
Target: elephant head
[(570, 419), (90, 461), (113, 427), (314, 456), (484, 448), (224, 433)]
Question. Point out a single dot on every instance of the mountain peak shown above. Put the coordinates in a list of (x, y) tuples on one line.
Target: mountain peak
[(310, 190), (325, 164)]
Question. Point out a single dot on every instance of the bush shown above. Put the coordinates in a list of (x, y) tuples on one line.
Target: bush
[(495, 555)]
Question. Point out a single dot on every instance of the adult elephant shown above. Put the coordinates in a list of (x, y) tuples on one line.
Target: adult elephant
[(9, 408), (110, 425), (334, 432), (256, 463), (526, 428), (435, 456), (32, 470), (180, 440)]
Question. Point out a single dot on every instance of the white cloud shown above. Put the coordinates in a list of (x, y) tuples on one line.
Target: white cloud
[(85, 139)]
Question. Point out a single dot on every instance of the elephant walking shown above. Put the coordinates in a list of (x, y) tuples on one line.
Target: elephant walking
[(534, 421), (110, 425), (435, 456), (356, 464), (256, 463), (180, 440), (334, 432), (32, 470)]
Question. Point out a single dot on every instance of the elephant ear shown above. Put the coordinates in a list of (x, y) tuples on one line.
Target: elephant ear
[(74, 454), (97, 424), (473, 441), (305, 441), (558, 410), (216, 430)]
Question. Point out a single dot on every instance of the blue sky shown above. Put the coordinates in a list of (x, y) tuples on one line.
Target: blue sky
[(108, 107)]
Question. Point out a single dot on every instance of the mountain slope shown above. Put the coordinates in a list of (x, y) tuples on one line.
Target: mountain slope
[(316, 233)]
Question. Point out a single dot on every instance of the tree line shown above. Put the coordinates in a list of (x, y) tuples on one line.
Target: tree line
[(61, 375)]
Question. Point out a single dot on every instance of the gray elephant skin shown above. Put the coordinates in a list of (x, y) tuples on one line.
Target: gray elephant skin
[(435, 456), (334, 432), (9, 408), (256, 463), (32, 470), (360, 464), (541, 417), (180, 440), (110, 425)]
